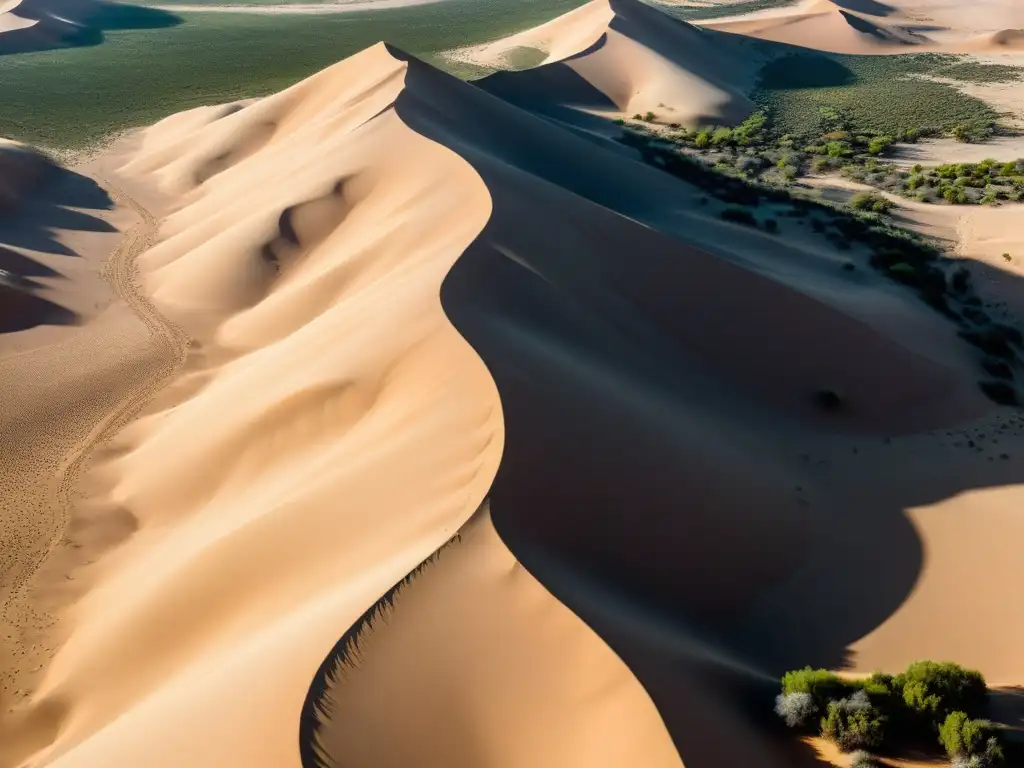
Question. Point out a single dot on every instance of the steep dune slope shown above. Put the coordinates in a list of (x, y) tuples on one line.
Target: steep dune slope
[(459, 655), (870, 27), (348, 256), (829, 26), (623, 57)]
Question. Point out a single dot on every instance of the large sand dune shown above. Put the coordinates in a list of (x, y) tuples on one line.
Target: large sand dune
[(895, 26), (35, 25), (404, 295), (623, 57)]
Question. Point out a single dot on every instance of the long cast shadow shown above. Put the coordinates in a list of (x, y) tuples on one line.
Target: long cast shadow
[(73, 23), (659, 496)]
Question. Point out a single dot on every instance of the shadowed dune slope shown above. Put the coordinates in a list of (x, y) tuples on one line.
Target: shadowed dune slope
[(846, 27), (395, 279), (36, 25), (623, 57)]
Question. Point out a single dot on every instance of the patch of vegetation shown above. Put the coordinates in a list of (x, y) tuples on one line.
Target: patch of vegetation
[(938, 700), (694, 13), (976, 72), (73, 97), (875, 93), (870, 201)]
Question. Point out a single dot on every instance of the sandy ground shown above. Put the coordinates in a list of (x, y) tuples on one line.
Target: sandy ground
[(448, 472), (939, 151), (77, 363)]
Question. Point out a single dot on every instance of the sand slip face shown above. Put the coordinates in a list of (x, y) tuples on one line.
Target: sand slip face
[(622, 57)]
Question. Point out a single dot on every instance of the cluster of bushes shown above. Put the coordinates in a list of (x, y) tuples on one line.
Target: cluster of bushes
[(981, 183), (930, 700)]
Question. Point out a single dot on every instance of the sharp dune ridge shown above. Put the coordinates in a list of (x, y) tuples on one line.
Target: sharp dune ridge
[(499, 406), (869, 27)]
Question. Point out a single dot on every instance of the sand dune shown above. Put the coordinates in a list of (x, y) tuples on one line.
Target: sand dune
[(36, 25), (623, 57), (829, 26), (870, 27), (404, 294)]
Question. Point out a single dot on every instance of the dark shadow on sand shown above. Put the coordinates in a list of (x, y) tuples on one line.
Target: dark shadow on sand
[(633, 481), (92, 17)]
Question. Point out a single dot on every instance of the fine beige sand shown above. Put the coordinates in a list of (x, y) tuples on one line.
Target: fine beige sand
[(388, 421)]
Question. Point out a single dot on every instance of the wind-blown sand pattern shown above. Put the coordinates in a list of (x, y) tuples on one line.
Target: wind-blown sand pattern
[(489, 444)]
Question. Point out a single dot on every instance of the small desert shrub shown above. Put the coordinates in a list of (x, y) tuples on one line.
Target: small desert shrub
[(771, 225), (862, 759), (739, 216), (870, 201), (797, 710), (962, 737), (649, 117), (853, 723)]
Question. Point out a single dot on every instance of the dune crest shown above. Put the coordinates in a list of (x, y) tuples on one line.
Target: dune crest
[(341, 432), (623, 57)]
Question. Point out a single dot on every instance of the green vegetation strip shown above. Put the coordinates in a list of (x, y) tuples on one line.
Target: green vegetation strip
[(880, 93), (696, 13), (75, 96)]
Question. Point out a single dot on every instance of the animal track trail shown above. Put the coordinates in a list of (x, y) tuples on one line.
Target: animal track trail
[(170, 347)]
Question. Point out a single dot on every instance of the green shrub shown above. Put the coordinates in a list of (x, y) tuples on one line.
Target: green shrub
[(702, 140), (871, 201), (853, 723), (964, 737), (649, 117), (721, 136), (838, 149), (879, 144), (820, 683), (932, 690)]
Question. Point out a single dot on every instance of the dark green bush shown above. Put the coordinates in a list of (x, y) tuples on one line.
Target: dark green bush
[(823, 685), (739, 216), (854, 723), (931, 690), (961, 736)]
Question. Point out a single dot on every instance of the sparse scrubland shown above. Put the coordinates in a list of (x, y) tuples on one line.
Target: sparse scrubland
[(884, 95), (744, 181), (930, 702)]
